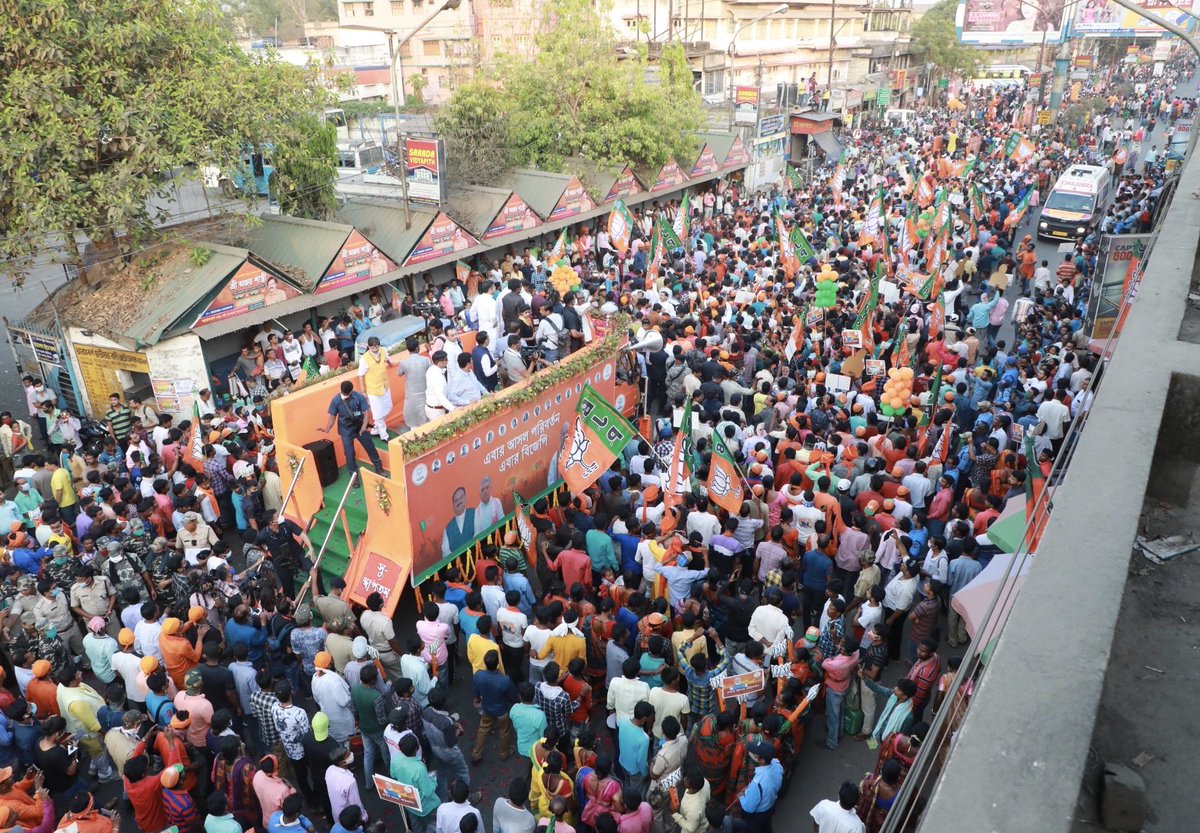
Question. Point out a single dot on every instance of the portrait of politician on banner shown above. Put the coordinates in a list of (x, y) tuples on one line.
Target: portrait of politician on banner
[(521, 450)]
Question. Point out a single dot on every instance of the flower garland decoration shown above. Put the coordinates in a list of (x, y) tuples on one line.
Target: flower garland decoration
[(383, 497)]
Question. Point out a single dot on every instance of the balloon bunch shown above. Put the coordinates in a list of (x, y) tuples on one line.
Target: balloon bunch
[(897, 391), (564, 279), (827, 287)]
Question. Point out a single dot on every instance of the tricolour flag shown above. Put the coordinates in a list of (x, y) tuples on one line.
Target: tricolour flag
[(620, 227), (724, 480), (599, 435), (682, 220)]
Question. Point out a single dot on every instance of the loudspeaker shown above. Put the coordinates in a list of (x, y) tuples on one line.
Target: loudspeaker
[(325, 457)]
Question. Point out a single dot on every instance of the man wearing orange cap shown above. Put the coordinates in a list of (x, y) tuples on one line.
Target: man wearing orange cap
[(180, 655), (42, 691), (332, 695)]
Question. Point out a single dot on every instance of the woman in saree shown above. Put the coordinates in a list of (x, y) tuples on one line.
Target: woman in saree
[(597, 790), (901, 747), (556, 784), (877, 794), (233, 774), (714, 741)]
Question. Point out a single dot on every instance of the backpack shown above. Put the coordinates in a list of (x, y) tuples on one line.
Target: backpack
[(276, 641)]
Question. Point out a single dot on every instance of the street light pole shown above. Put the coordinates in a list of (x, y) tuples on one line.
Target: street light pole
[(832, 44), (394, 48)]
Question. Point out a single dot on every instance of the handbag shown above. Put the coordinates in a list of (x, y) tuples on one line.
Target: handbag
[(852, 713)]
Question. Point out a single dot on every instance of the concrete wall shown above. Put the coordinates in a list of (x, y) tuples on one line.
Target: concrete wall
[(1019, 758)]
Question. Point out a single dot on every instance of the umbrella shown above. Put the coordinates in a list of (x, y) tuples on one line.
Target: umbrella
[(1008, 530), (973, 601)]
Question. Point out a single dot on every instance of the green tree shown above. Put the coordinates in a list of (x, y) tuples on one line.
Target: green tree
[(935, 41), (100, 98), (580, 96), (475, 127), (306, 170)]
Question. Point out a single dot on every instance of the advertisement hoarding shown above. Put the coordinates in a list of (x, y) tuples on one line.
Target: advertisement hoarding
[(627, 184), (745, 105), (670, 176), (706, 163), (575, 200), (425, 169), (518, 450), (991, 22), (1124, 255), (1107, 19)]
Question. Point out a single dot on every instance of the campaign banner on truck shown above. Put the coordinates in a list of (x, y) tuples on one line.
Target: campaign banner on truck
[(520, 450)]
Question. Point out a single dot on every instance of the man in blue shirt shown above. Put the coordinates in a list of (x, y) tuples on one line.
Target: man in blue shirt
[(513, 580), (350, 409), (815, 570), (633, 745), (495, 695), (758, 799)]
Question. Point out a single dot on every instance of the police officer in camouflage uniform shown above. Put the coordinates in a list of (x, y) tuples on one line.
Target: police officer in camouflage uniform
[(50, 647), (23, 639), (160, 571), (124, 569), (61, 567)]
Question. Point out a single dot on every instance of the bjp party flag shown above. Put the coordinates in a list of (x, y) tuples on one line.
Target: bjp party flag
[(620, 227), (597, 438), (724, 480)]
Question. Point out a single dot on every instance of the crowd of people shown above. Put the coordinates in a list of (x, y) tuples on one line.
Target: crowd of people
[(164, 627)]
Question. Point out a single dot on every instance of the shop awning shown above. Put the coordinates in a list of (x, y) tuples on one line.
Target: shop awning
[(829, 143)]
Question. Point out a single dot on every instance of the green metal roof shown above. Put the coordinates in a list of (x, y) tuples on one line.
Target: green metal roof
[(540, 190), (474, 206), (382, 222), (721, 144), (598, 179), (306, 246)]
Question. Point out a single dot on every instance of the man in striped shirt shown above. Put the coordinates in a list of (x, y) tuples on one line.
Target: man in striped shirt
[(120, 418)]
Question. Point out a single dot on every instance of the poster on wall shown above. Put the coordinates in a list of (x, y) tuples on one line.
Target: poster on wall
[(1030, 22), (575, 200), (516, 451), (251, 288), (425, 169), (669, 176), (705, 164), (738, 155), (626, 185), (357, 261), (515, 216), (173, 396), (98, 368), (443, 237)]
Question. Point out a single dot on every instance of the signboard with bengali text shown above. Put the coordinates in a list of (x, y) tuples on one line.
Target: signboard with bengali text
[(706, 163), (669, 176), (575, 200), (425, 168), (250, 288), (745, 105)]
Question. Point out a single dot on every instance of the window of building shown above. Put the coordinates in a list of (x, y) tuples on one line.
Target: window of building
[(349, 10), (431, 48), (397, 7), (368, 9)]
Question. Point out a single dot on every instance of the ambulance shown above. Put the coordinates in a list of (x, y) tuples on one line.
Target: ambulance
[(1075, 203)]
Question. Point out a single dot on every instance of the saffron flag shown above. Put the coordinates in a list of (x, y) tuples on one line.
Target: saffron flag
[(924, 193), (724, 480), (873, 222), (654, 264), (526, 531), (901, 355), (680, 463), (937, 317), (978, 210), (1015, 216), (620, 227), (599, 435), (682, 220), (836, 182), (558, 254), (193, 454)]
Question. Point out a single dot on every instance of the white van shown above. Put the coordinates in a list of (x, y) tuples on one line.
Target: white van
[(1075, 203), (900, 117)]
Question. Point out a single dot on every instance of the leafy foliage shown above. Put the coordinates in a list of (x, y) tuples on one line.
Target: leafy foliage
[(475, 127), (935, 41), (100, 98), (259, 17), (305, 172), (580, 96)]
